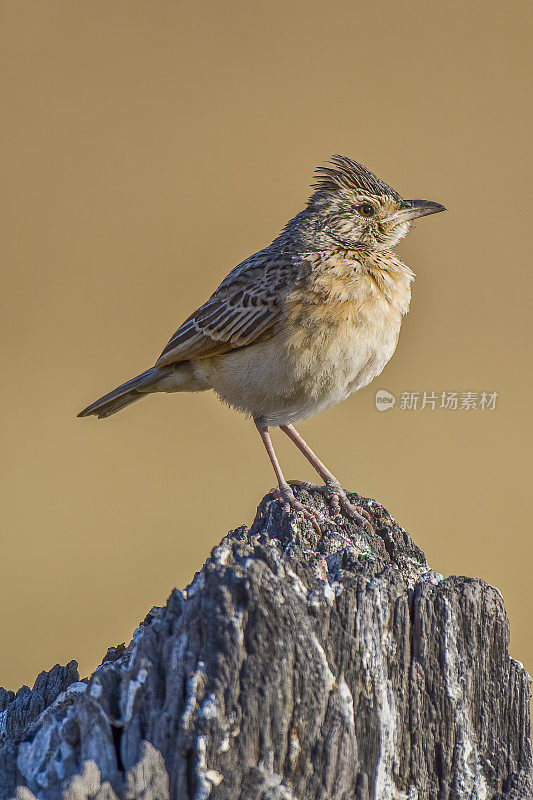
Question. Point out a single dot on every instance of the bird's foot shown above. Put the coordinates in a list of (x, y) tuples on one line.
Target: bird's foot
[(286, 496), (339, 501)]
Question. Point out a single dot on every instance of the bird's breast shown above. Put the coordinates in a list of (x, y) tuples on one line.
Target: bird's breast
[(338, 347)]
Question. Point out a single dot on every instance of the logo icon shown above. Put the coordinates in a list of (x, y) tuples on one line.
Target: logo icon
[(384, 400)]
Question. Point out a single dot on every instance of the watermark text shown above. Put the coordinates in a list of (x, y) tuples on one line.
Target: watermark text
[(432, 401)]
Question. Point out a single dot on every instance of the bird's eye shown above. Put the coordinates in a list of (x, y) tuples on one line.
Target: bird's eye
[(366, 210)]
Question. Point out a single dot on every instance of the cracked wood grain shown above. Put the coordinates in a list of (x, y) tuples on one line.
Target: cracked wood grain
[(294, 667)]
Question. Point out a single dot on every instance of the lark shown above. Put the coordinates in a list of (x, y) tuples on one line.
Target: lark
[(300, 325)]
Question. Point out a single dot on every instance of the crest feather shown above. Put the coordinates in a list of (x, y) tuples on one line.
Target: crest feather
[(342, 172)]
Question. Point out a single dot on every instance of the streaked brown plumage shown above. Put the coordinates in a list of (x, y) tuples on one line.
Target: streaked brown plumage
[(302, 324)]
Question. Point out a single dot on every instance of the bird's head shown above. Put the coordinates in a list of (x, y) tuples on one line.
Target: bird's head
[(354, 209)]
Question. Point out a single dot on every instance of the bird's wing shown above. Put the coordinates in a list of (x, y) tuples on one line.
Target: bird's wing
[(241, 311)]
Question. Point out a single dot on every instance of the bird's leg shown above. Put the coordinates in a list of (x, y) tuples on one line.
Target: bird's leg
[(284, 491), (332, 488)]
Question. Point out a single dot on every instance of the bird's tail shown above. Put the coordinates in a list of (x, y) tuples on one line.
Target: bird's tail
[(128, 393)]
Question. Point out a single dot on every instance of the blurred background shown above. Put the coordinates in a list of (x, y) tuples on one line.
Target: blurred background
[(147, 148)]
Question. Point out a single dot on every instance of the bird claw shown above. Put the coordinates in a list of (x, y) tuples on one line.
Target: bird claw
[(358, 514), (339, 502), (289, 501)]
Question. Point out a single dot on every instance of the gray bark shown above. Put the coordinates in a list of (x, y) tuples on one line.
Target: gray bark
[(294, 667)]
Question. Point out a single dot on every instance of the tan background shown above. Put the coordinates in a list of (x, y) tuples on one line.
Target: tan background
[(148, 148)]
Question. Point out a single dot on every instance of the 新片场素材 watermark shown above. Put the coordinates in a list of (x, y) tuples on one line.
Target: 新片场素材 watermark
[(446, 401)]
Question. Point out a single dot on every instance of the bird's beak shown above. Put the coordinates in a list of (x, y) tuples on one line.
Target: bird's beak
[(412, 209)]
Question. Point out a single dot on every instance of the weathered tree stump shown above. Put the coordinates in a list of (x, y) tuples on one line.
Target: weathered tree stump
[(293, 667)]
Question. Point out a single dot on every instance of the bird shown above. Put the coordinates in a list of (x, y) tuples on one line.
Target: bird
[(300, 325)]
